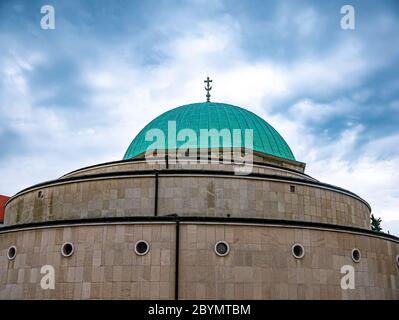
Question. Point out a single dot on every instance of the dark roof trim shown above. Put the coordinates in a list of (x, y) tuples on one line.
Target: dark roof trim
[(186, 219)]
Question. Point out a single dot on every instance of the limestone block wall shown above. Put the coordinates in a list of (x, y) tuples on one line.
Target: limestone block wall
[(85, 199), (103, 266), (187, 195), (117, 166), (256, 198), (260, 264), (192, 164)]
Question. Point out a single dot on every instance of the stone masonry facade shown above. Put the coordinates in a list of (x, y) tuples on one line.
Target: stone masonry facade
[(187, 194), (260, 264)]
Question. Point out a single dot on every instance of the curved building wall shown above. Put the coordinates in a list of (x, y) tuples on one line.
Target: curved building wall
[(133, 165), (260, 264), (193, 194), (103, 265), (259, 198), (84, 199)]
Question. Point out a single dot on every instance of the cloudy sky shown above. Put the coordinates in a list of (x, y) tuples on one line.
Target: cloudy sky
[(77, 95)]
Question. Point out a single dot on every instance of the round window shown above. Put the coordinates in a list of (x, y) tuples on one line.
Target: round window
[(298, 251), (397, 260), (11, 253), (67, 249), (222, 248), (142, 247), (356, 255)]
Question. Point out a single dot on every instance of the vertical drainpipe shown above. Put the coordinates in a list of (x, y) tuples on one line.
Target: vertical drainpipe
[(156, 194), (177, 257)]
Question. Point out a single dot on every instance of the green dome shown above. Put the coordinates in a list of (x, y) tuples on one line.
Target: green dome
[(211, 115)]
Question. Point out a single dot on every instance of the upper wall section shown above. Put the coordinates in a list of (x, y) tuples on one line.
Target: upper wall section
[(187, 192), (160, 164)]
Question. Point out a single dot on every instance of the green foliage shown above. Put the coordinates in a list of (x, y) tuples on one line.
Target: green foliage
[(376, 223)]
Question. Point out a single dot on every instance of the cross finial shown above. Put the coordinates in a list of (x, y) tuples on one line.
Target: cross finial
[(208, 88)]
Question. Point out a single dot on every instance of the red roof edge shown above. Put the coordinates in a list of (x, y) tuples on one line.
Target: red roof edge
[(3, 200)]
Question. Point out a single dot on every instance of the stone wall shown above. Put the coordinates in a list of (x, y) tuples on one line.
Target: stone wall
[(191, 165), (103, 265), (255, 198), (86, 199), (187, 195), (260, 264)]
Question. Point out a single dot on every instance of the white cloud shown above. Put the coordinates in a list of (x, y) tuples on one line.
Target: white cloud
[(125, 95), (391, 226), (306, 21), (308, 110)]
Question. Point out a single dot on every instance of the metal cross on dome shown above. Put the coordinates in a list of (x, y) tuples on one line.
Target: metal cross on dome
[(208, 88)]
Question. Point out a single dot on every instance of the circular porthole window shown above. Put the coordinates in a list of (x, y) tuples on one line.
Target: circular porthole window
[(142, 247), (12, 252), (222, 248), (298, 251), (397, 260), (67, 249), (356, 255)]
